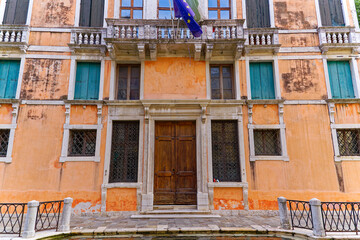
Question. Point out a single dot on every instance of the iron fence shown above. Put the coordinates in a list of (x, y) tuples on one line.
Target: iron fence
[(11, 217), (340, 216), (48, 215), (300, 214)]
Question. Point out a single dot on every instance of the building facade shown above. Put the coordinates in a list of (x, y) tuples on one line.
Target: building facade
[(116, 105)]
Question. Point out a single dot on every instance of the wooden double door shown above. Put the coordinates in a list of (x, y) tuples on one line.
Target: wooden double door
[(175, 163)]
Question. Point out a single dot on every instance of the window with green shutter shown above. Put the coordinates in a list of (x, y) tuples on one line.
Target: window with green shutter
[(262, 80), (257, 13), (340, 79), (9, 74), (87, 81), (91, 13), (331, 13), (16, 12)]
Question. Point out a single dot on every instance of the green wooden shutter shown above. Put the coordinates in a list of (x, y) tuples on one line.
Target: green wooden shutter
[(9, 74), (21, 12), (97, 13), (257, 13), (262, 81), (331, 13), (340, 79), (87, 81), (85, 13), (94, 79)]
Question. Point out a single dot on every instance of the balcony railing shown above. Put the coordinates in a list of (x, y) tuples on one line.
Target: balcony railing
[(14, 37), (262, 39), (338, 38), (88, 40)]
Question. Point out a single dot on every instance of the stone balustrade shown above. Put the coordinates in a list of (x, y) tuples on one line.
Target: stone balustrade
[(261, 37), (88, 36), (13, 34), (338, 39)]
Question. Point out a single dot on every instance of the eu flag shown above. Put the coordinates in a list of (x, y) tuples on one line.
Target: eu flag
[(182, 9)]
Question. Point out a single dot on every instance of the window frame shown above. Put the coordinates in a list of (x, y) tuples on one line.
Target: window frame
[(128, 88), (233, 90), (12, 127), (219, 9), (29, 12), (131, 8)]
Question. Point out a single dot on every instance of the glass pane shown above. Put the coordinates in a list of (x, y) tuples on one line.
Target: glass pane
[(212, 3), (226, 72), (228, 94), (126, 3), (125, 13), (224, 3), (227, 83), (138, 3), (165, 3), (164, 14), (215, 94), (137, 14), (215, 72), (213, 14), (224, 14), (121, 94), (134, 94)]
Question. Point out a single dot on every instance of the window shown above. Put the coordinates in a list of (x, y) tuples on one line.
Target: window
[(128, 84), (262, 80), (225, 151), (331, 13), (267, 142), (132, 9), (165, 9), (91, 13), (87, 81), (257, 13), (349, 142), (340, 79), (4, 141), (124, 151), (219, 9), (221, 82), (16, 12), (9, 74), (82, 143)]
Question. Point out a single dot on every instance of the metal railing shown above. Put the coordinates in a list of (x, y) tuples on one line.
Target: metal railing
[(300, 214), (11, 217), (340, 216), (48, 215)]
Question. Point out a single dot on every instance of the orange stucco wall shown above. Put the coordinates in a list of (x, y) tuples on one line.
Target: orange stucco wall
[(49, 39), (121, 199), (228, 199), (5, 114), (174, 78)]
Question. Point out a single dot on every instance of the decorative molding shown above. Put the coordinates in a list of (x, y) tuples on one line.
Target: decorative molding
[(197, 54)]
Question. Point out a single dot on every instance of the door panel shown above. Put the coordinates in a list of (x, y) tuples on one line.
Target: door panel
[(175, 163)]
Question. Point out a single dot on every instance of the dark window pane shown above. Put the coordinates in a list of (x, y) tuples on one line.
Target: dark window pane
[(267, 142), (138, 3), (125, 13), (348, 140), (226, 71), (212, 3), (224, 14), (215, 72), (213, 14), (134, 94), (228, 94), (215, 94), (224, 3), (124, 152), (4, 141), (227, 83), (121, 94), (126, 3), (164, 14), (225, 151), (137, 14), (82, 143)]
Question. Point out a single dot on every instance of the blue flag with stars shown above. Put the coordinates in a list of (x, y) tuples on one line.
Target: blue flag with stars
[(182, 9)]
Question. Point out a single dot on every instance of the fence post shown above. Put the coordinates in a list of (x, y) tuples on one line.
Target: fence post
[(318, 225), (66, 215), (284, 218), (30, 219)]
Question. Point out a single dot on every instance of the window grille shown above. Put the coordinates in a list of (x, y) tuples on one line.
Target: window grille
[(4, 141), (267, 142), (82, 143), (221, 82), (124, 151), (348, 140), (225, 151)]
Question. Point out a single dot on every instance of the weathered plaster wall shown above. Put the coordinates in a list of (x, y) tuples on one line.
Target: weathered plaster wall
[(49, 39), (265, 114), (45, 79), (299, 40), (228, 199), (347, 113), (5, 114), (121, 199), (174, 78), (83, 115), (53, 13)]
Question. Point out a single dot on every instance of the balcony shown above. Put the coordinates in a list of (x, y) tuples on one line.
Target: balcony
[(338, 39), (262, 41), (88, 41), (14, 38), (147, 39)]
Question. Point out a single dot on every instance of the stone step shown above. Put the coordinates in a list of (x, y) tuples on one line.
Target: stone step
[(147, 216), (178, 211), (174, 207)]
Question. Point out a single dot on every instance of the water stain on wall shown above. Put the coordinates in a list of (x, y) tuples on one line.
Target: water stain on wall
[(41, 79), (57, 13), (286, 19), (301, 76), (36, 114)]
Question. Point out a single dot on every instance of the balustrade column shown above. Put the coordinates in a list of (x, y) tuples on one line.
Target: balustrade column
[(30, 219), (318, 225), (284, 217)]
